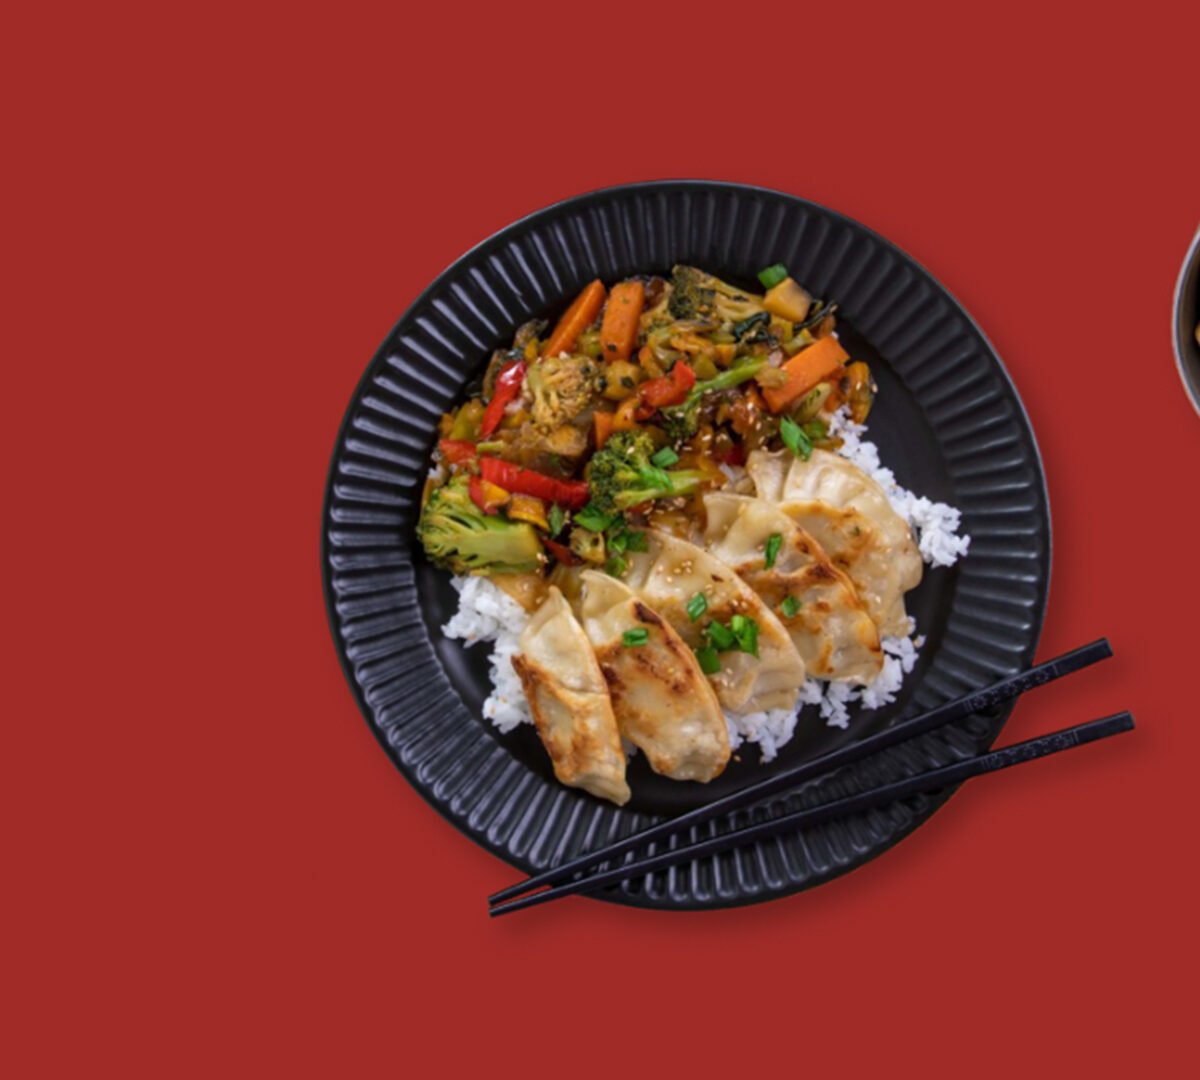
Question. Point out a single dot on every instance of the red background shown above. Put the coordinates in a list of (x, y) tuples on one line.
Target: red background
[(214, 217)]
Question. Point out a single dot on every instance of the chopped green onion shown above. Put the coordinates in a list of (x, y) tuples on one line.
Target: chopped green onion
[(697, 606), (789, 607), (815, 429), (615, 566), (595, 520), (489, 447), (664, 458), (774, 543), (793, 438), (720, 636), (636, 541), (773, 275), (710, 662), (635, 637), (556, 519), (745, 630), (618, 542)]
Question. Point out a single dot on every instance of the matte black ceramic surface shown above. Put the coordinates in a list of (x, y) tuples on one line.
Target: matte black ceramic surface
[(1187, 315), (947, 420)]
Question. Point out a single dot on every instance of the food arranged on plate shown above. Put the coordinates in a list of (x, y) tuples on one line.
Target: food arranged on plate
[(664, 514)]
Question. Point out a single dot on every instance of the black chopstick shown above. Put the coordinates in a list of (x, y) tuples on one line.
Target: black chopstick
[(922, 783), (1003, 690)]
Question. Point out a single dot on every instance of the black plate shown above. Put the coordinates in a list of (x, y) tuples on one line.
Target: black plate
[(947, 420), (1186, 315)]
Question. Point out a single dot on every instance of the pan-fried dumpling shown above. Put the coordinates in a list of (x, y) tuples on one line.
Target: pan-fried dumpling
[(827, 477), (660, 697), (883, 569), (569, 701), (855, 546), (670, 573), (830, 627)]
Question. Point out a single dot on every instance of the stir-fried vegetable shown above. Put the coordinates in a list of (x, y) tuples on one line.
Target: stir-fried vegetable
[(489, 497), (859, 391), (681, 421), (458, 534), (456, 451), (569, 493), (508, 386), (639, 398), (622, 474), (618, 332), (698, 295), (788, 300), (561, 388), (804, 370), (575, 319), (667, 390)]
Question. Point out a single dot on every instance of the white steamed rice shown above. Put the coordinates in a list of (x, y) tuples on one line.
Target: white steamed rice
[(487, 613)]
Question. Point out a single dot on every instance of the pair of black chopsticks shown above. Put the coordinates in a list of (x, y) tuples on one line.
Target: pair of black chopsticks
[(573, 877)]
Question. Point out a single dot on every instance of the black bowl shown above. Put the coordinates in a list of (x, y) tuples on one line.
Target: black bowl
[(1187, 316), (947, 420)]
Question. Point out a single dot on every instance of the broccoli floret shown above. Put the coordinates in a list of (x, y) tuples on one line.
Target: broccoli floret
[(681, 421), (457, 534), (622, 475), (562, 387), (697, 295)]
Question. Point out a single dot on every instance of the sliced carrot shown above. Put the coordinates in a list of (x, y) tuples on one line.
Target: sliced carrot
[(603, 422), (804, 370), (618, 331), (577, 318)]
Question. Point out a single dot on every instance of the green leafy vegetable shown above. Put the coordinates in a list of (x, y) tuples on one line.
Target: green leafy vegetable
[(820, 310), (753, 328)]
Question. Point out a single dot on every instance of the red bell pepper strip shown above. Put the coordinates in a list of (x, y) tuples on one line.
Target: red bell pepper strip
[(475, 490), (667, 390), (572, 494), (456, 451), (560, 551), (508, 386), (735, 455)]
